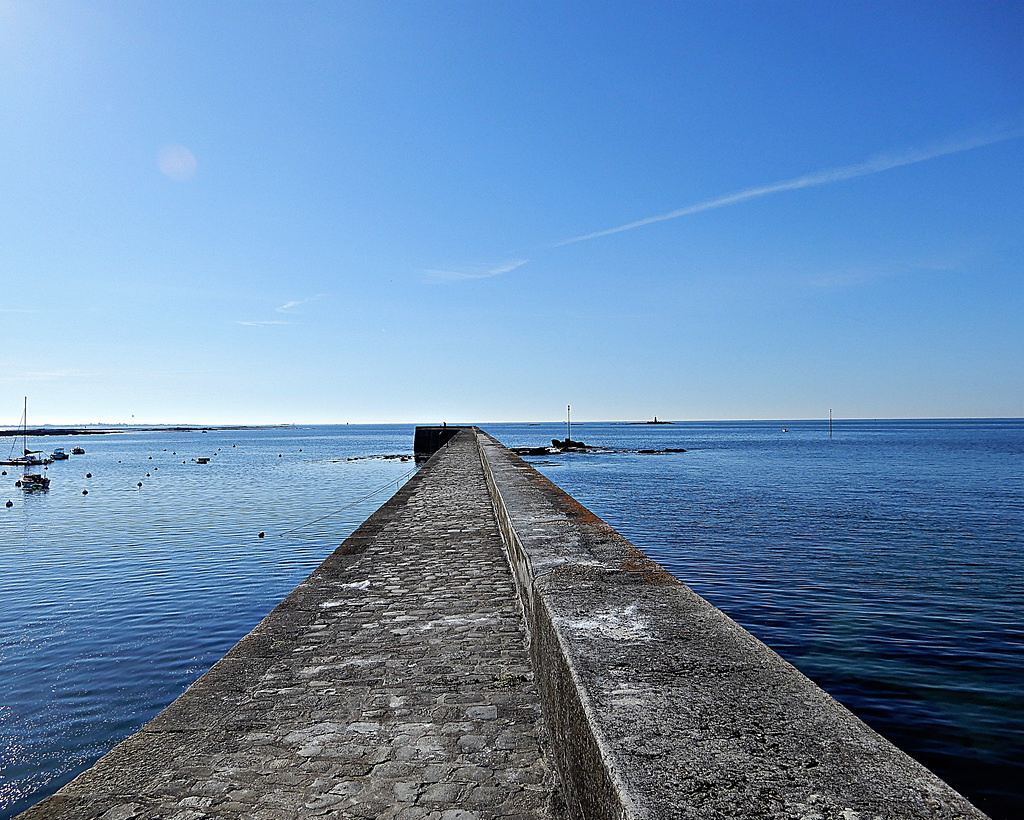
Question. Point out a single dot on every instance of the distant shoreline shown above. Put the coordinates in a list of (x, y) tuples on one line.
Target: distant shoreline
[(102, 431)]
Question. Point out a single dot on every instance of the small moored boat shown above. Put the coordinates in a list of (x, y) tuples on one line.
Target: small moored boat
[(30, 459), (59, 455), (33, 481), (77, 451)]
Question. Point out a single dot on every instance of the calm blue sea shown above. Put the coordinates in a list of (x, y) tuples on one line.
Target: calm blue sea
[(884, 562)]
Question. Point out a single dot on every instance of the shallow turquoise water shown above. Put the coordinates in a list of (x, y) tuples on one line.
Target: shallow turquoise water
[(885, 563)]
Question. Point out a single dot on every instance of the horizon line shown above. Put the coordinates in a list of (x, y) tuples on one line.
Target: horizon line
[(263, 425)]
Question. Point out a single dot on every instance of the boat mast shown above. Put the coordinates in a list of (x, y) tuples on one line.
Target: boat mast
[(24, 429)]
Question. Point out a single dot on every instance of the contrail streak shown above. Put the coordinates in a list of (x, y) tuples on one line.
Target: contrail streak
[(872, 166)]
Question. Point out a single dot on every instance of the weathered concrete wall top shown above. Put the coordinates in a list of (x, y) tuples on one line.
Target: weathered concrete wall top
[(661, 706)]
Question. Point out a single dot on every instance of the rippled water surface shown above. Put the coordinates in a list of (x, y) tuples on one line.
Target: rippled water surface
[(884, 562)]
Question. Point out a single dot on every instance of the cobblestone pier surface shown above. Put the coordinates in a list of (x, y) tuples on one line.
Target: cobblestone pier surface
[(393, 683)]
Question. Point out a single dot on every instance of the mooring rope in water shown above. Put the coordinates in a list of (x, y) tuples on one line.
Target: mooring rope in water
[(359, 500)]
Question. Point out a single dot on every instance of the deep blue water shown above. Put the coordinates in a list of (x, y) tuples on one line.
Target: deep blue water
[(885, 563)]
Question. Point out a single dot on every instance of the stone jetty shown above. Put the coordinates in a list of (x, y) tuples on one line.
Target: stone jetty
[(484, 647)]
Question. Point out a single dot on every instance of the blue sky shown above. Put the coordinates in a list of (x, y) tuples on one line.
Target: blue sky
[(244, 212)]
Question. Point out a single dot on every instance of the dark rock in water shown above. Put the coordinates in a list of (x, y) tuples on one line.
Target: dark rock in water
[(531, 451), (568, 444), (571, 446)]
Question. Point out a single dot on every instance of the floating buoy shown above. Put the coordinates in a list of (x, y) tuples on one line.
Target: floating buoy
[(278, 455), (17, 483), (151, 458), (4, 472), (174, 452), (234, 445), (147, 475), (260, 535), (11, 504), (85, 492), (119, 461), (139, 484), (88, 475)]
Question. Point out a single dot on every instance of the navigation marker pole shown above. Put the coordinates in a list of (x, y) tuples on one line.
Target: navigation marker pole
[(568, 424), (830, 422)]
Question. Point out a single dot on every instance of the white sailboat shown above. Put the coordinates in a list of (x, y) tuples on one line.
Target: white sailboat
[(28, 458)]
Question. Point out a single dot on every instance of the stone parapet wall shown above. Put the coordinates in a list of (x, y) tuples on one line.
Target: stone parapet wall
[(661, 706)]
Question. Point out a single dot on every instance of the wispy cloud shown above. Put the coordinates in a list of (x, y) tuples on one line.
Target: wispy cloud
[(289, 306), (883, 162), (438, 275), (854, 276)]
